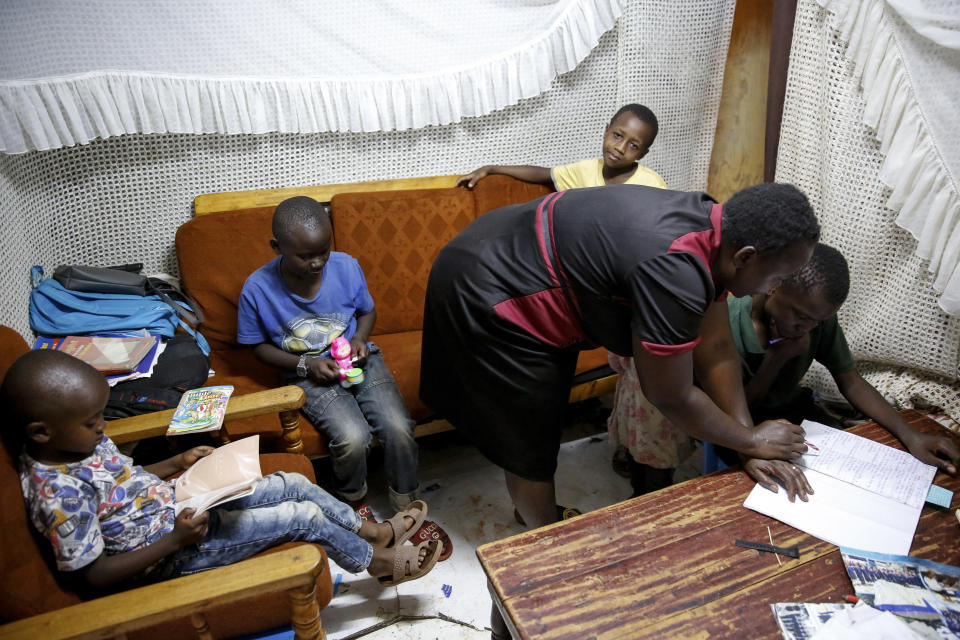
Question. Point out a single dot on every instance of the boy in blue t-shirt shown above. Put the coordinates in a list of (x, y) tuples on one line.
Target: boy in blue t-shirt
[(291, 309)]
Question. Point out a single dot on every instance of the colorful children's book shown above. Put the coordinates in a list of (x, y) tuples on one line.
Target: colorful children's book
[(200, 409), (229, 472)]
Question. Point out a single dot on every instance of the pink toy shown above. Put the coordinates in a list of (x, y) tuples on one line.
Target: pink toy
[(340, 352)]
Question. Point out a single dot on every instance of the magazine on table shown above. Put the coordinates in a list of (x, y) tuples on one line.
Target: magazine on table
[(925, 594), (229, 472)]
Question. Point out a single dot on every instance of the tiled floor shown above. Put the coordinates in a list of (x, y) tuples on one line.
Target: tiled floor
[(468, 498)]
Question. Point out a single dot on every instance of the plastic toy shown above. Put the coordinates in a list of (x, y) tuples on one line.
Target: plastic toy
[(340, 352)]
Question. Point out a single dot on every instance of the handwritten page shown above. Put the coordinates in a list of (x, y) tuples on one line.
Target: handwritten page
[(866, 495), (867, 464)]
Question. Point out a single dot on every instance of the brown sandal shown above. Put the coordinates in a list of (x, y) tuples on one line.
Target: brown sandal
[(417, 510), (407, 565)]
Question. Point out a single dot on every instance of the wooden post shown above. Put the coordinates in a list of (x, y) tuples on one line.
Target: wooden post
[(305, 613), (292, 440)]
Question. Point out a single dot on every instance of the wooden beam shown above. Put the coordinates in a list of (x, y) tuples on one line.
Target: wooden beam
[(243, 406), (236, 200), (117, 614)]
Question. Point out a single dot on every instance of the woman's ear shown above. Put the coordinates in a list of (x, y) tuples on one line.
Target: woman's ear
[(38, 432), (744, 256)]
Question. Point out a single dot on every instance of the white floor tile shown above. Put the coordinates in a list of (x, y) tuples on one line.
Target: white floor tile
[(468, 498)]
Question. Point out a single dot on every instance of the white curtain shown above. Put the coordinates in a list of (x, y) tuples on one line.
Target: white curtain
[(905, 344), (906, 56), (72, 71)]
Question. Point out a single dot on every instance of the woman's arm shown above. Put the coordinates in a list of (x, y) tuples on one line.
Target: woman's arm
[(667, 381), (717, 364)]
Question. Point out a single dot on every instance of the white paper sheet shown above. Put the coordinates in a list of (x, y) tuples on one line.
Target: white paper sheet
[(867, 464), (875, 506)]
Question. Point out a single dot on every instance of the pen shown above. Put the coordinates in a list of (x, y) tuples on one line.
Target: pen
[(851, 599), (775, 340), (811, 445)]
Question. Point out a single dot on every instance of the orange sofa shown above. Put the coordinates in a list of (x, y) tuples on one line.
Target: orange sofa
[(287, 584), (393, 228)]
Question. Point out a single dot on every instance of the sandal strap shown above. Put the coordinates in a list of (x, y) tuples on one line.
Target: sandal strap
[(407, 564), (417, 511)]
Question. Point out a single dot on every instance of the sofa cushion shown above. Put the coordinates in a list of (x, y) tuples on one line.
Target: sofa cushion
[(216, 253), (494, 192), (592, 359), (395, 236), (401, 353)]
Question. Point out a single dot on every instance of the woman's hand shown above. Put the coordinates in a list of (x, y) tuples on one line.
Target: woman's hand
[(940, 451), (470, 180), (770, 473), (189, 458), (776, 440)]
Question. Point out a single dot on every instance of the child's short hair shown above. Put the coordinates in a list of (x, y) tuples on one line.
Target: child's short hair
[(769, 216), (299, 213), (31, 382), (644, 114), (827, 271)]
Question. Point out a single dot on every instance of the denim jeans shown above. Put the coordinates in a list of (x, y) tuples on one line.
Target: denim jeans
[(349, 417), (284, 507)]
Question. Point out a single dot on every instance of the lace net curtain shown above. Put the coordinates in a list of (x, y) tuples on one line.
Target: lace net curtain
[(907, 346), (120, 199)]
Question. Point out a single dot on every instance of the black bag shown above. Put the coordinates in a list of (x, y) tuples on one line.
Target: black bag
[(126, 279), (122, 280), (181, 366)]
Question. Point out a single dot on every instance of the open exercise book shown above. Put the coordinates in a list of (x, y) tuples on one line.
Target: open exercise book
[(866, 495), (230, 472)]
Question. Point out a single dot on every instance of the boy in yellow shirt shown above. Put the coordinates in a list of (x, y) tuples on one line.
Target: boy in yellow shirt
[(626, 140)]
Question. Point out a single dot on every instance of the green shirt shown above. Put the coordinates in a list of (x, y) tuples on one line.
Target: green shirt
[(827, 346)]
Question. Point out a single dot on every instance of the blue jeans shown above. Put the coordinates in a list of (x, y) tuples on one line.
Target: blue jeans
[(284, 507), (350, 417)]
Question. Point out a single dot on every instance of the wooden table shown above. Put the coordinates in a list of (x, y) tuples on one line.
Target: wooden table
[(664, 565)]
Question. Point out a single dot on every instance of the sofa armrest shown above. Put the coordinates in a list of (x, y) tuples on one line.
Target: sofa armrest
[(293, 570), (283, 400)]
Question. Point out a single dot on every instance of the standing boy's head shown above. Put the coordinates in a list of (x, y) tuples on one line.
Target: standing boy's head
[(769, 231), (811, 295), (628, 136), (54, 406), (301, 236)]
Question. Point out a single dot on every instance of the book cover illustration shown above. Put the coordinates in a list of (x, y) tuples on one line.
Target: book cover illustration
[(229, 472), (200, 409), (144, 368)]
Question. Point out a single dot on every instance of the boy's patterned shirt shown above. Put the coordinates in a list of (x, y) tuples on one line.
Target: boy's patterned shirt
[(101, 504)]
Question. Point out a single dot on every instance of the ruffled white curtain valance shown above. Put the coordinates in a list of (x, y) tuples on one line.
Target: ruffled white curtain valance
[(907, 56), (71, 72)]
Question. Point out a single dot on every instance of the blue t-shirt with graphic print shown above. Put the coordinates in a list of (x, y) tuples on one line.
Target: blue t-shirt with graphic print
[(270, 312)]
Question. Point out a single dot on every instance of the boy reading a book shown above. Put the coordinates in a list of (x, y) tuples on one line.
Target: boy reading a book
[(110, 520)]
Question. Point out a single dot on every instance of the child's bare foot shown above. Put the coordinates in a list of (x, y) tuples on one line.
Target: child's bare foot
[(381, 534), (404, 562)]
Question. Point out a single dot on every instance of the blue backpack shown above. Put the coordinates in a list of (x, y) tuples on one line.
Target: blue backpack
[(58, 311)]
